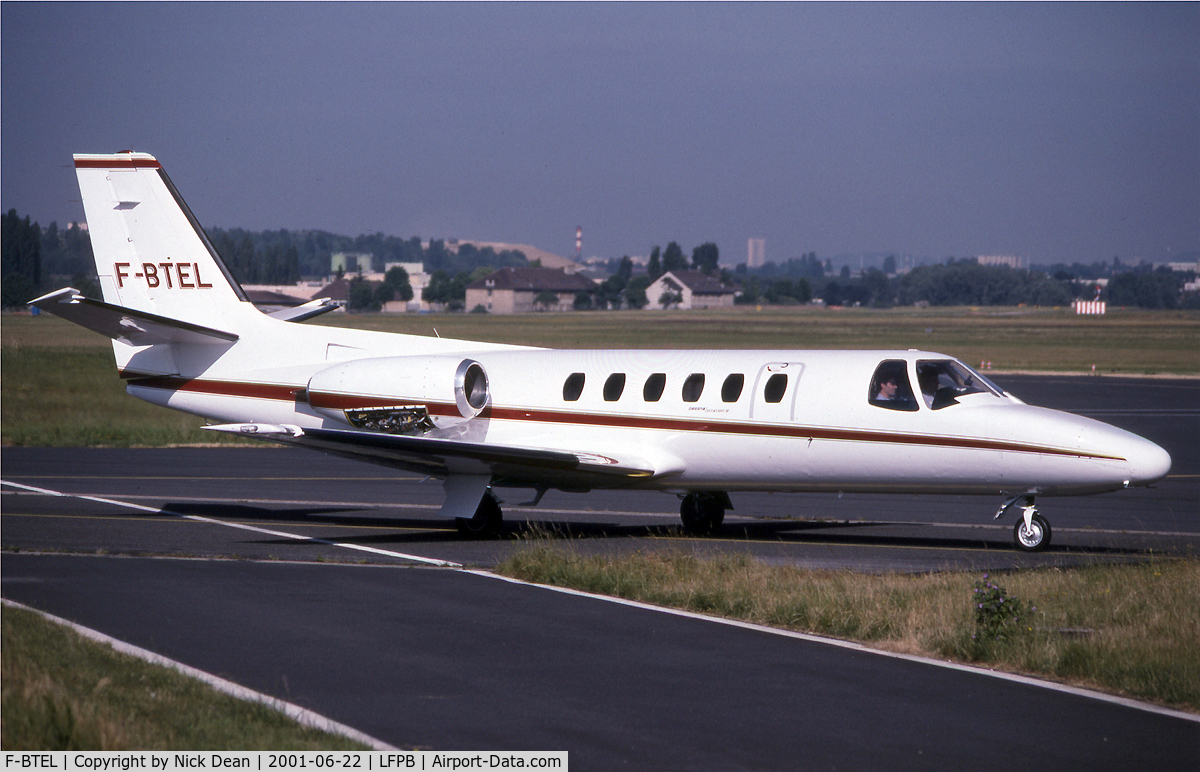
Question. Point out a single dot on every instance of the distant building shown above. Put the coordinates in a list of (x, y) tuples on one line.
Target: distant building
[(337, 291), (756, 253), (350, 262), (694, 288), (1012, 261), (524, 290)]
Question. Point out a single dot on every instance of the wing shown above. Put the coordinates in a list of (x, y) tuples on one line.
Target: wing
[(508, 465), (137, 328)]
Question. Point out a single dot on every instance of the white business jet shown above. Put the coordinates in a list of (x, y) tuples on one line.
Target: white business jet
[(480, 416)]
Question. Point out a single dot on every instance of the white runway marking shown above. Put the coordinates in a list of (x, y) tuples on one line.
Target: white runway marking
[(255, 529)]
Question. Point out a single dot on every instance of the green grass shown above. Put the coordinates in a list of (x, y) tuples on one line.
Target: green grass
[(1142, 621), (63, 692), (59, 385), (72, 397)]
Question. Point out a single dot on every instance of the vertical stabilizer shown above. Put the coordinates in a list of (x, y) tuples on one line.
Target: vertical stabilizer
[(151, 253)]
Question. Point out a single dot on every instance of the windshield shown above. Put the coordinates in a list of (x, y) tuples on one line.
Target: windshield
[(943, 381)]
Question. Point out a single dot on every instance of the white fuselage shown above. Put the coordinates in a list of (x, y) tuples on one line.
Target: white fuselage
[(820, 434)]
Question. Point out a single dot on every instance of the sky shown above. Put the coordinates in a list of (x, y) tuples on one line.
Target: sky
[(1054, 132)]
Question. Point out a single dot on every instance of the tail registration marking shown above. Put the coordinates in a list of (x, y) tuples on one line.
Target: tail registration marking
[(151, 276)]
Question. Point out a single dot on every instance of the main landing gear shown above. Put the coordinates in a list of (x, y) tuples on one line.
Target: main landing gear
[(486, 522), (702, 513), (1032, 531)]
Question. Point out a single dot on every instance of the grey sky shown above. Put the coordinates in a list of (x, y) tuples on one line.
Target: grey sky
[(1056, 132)]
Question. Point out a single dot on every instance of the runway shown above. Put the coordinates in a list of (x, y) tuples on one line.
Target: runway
[(309, 578)]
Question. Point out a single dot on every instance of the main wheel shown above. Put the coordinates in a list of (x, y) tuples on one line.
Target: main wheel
[(1035, 538), (701, 515), (486, 522)]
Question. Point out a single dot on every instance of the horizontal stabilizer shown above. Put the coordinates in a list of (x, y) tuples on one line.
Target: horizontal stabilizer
[(307, 311), (137, 328)]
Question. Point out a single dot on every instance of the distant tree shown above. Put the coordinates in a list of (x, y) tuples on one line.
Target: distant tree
[(788, 292), (546, 299), (706, 257), (384, 293), (889, 265), (635, 291), (673, 259), (451, 291), (654, 267), (608, 293), (21, 264), (1153, 289), (362, 296), (583, 301), (625, 271), (397, 278), (668, 299), (751, 292), (876, 288)]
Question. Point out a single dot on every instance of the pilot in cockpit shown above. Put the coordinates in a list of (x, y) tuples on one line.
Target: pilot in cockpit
[(890, 386)]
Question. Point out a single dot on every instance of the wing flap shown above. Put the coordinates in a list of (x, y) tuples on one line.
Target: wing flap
[(440, 458), (137, 328)]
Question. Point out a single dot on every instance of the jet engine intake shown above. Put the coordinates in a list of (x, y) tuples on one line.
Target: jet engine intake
[(470, 388)]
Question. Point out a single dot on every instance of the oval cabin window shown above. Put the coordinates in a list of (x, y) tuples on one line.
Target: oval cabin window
[(614, 386), (573, 387)]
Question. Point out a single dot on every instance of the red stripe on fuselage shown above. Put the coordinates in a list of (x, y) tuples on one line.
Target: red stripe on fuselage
[(329, 401), (223, 388), (117, 163)]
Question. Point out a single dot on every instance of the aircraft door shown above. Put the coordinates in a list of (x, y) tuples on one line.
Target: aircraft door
[(775, 389)]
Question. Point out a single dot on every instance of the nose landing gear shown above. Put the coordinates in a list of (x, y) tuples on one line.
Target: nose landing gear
[(1032, 531)]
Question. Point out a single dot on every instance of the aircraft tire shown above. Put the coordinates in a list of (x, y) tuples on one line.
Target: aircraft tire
[(1036, 539), (701, 515), (486, 522)]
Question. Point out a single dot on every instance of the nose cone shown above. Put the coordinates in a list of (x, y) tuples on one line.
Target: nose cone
[(1148, 462)]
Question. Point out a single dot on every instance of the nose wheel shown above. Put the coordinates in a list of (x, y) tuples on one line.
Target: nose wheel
[(1032, 537), (1032, 531)]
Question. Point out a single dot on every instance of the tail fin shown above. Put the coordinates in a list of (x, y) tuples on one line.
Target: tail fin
[(151, 253)]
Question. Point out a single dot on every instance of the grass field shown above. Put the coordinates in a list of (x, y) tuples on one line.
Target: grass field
[(59, 386)]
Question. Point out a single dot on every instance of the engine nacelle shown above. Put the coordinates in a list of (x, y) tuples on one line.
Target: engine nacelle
[(401, 395)]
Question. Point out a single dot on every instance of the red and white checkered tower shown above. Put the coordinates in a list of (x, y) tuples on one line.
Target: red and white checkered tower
[(578, 242)]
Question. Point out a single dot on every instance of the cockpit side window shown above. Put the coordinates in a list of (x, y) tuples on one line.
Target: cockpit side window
[(890, 387), (943, 381)]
